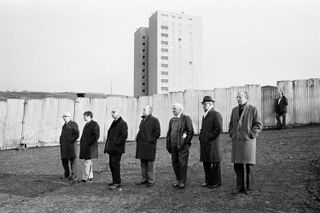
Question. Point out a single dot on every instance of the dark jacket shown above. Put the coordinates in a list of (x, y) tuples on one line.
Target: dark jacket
[(68, 138), (117, 136), (209, 137), (185, 126), (149, 132), (89, 140), (282, 106)]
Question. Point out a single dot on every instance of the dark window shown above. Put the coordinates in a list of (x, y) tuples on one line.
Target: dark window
[(179, 39), (190, 62), (143, 50), (164, 73), (143, 37), (143, 70), (164, 34), (143, 64), (164, 27), (143, 84), (164, 57), (164, 80), (190, 19), (143, 43), (164, 88), (164, 42), (164, 50), (143, 57), (143, 77), (164, 65), (143, 90)]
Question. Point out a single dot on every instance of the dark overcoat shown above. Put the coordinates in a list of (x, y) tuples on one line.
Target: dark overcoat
[(89, 140), (209, 137), (117, 136), (282, 106), (68, 138), (244, 130), (185, 127), (149, 132)]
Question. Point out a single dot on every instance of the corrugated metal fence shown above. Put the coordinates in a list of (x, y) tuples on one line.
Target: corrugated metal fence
[(38, 122)]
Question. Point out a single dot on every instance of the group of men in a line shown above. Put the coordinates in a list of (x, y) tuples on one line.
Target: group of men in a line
[(244, 127)]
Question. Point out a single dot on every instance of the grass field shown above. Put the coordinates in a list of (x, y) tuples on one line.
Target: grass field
[(287, 179)]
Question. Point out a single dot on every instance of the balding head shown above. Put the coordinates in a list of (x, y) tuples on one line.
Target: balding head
[(177, 109), (242, 97), (115, 113), (147, 110)]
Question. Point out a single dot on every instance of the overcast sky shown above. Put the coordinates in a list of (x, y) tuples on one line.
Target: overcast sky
[(81, 46)]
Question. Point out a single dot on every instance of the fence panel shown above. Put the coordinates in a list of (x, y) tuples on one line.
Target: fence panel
[(314, 100), (301, 101), (268, 99), (13, 123), (220, 96), (192, 106), (3, 113), (162, 110), (287, 88)]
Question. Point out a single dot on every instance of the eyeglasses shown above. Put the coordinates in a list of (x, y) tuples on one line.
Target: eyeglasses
[(239, 97)]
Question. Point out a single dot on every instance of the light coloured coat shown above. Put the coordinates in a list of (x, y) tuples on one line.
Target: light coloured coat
[(244, 130)]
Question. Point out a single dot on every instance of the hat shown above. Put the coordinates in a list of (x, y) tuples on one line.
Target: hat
[(66, 114), (207, 98)]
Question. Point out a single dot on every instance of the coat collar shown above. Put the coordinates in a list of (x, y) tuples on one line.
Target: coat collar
[(115, 122)]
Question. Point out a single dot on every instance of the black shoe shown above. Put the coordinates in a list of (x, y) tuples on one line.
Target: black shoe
[(175, 184), (90, 179), (214, 186), (244, 191), (142, 182), (150, 184), (110, 184), (64, 177), (181, 186), (114, 186), (204, 185), (84, 180)]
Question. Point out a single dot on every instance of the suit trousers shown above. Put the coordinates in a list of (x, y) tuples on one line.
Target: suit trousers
[(114, 164), (87, 172), (147, 171), (279, 123), (180, 162), (69, 170), (239, 170), (212, 172)]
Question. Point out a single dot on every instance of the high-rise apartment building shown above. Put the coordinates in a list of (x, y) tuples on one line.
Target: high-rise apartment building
[(173, 54)]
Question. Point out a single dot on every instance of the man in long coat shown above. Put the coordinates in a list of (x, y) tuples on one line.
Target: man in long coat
[(244, 127), (281, 110), (149, 132), (179, 135), (210, 151), (115, 146), (89, 145), (68, 138)]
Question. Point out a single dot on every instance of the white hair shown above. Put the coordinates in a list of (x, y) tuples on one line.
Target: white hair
[(178, 106)]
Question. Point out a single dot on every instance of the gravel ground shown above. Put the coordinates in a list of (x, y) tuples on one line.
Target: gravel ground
[(287, 179)]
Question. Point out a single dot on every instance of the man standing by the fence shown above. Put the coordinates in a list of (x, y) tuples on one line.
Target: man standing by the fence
[(245, 125), (149, 132), (115, 146), (89, 145), (68, 138), (210, 152), (281, 110), (179, 135)]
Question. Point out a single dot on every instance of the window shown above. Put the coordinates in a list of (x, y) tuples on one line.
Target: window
[(164, 27), (164, 80), (143, 70), (164, 73), (143, 64), (165, 15), (143, 84), (143, 37), (172, 16), (164, 88), (164, 34), (143, 90), (190, 19), (143, 77), (179, 39), (143, 57), (190, 62), (164, 42), (143, 43), (164, 57), (164, 65), (164, 50), (143, 50)]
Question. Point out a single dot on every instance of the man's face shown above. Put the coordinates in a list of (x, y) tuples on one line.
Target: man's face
[(86, 118), (241, 98), (280, 94), (146, 111), (206, 105), (66, 119), (176, 111), (115, 113)]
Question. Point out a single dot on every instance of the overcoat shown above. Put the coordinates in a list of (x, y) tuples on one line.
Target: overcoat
[(209, 137), (185, 128), (282, 106), (117, 136), (68, 138), (149, 132), (244, 130), (89, 140)]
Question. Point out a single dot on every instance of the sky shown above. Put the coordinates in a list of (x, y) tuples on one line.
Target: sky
[(87, 46)]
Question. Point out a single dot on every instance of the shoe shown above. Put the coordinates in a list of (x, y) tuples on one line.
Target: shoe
[(181, 186), (214, 186), (175, 184), (204, 185), (150, 184), (114, 186), (110, 184), (90, 179), (244, 191), (64, 177), (235, 191), (84, 180), (142, 182)]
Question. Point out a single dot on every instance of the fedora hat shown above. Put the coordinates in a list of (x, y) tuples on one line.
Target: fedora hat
[(207, 98)]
